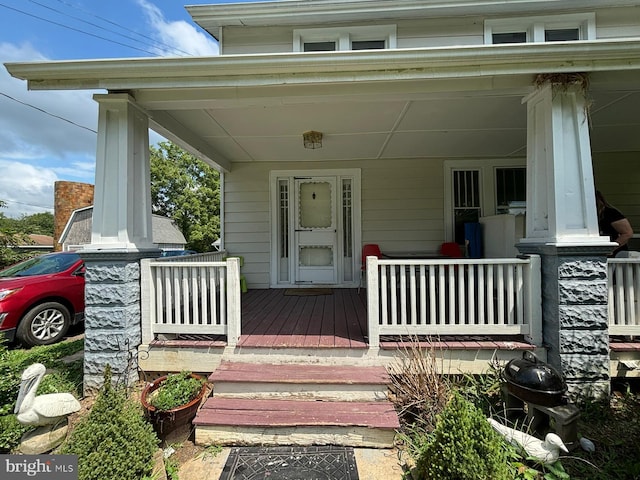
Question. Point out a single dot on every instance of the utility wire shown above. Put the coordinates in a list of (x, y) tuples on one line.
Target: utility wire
[(76, 29), (106, 20), (47, 113), (155, 44), (27, 204)]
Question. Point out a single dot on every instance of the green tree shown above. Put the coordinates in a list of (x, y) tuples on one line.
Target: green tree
[(38, 223), (10, 236), (187, 190)]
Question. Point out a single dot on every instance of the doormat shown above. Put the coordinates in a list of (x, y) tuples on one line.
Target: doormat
[(305, 292), (291, 463)]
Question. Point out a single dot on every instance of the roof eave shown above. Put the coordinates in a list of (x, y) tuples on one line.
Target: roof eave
[(326, 67), (318, 12)]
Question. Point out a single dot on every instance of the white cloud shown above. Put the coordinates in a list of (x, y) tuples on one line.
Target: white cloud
[(26, 189), (36, 148), (182, 36)]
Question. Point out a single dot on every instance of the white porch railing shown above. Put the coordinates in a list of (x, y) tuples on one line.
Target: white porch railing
[(449, 297), (624, 287), (197, 294)]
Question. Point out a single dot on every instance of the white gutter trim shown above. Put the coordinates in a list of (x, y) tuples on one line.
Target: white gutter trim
[(278, 69), (303, 12)]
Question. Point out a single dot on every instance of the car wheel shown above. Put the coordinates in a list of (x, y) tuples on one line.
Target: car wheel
[(44, 324)]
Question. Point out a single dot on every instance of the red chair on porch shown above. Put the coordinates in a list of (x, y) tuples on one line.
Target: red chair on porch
[(451, 250), (368, 250)]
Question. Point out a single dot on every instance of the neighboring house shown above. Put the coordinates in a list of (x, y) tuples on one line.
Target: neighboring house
[(77, 231), (394, 122), (37, 243)]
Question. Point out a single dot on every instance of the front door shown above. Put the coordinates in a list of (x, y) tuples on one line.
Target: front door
[(315, 230)]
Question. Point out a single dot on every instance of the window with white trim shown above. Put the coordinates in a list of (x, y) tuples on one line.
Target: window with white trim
[(553, 28), (376, 37), (477, 188)]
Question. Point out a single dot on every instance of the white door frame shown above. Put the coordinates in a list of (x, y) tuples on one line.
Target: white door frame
[(282, 273)]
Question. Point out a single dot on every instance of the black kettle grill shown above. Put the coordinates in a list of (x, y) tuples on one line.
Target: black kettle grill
[(534, 381)]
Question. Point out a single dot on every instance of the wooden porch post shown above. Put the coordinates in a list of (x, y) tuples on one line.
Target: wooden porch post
[(121, 237), (122, 199), (234, 314), (562, 227), (373, 302)]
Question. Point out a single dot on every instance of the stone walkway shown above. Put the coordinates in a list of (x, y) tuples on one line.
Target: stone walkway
[(373, 464)]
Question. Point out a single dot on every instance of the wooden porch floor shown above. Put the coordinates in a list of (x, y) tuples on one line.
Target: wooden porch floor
[(331, 318), (295, 318)]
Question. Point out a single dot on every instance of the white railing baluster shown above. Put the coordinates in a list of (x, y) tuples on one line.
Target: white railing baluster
[(482, 295), (623, 283), (519, 300), (455, 296), (471, 294), (194, 296), (510, 293), (423, 296), (433, 318)]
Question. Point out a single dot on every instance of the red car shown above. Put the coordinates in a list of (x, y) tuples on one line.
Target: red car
[(41, 298)]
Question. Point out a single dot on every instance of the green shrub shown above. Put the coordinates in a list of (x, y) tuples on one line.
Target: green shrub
[(114, 441), (11, 432), (463, 446), (176, 390)]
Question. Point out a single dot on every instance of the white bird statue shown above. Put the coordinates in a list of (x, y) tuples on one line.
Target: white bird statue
[(44, 409), (543, 451)]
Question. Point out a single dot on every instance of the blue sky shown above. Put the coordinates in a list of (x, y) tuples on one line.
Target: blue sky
[(36, 148)]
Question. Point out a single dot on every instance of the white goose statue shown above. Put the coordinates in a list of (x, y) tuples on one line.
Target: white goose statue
[(543, 451), (43, 409)]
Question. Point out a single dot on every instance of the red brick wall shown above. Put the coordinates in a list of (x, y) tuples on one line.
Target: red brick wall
[(68, 196)]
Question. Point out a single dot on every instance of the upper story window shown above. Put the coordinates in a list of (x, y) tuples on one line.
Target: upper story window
[(376, 37), (555, 28)]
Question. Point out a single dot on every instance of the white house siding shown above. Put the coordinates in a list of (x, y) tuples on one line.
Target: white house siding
[(244, 40), (402, 208), (440, 32), (618, 23), (420, 33)]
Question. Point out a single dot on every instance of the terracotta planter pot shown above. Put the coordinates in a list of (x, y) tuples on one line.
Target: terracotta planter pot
[(175, 424)]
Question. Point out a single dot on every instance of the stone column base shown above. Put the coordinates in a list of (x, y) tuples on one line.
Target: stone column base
[(575, 315), (112, 316)]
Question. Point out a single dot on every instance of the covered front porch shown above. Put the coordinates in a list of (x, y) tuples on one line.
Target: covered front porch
[(469, 311)]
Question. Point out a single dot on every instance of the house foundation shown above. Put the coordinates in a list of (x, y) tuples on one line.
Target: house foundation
[(574, 316), (112, 316)]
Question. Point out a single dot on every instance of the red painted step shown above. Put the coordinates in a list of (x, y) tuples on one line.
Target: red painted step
[(297, 373), (295, 413)]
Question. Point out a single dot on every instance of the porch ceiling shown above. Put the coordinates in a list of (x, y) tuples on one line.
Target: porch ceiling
[(384, 121), (458, 102)]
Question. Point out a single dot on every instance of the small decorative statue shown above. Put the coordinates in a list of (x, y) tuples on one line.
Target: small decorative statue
[(44, 409), (544, 451), (48, 412)]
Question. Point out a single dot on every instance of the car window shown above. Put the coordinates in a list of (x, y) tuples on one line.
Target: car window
[(42, 265)]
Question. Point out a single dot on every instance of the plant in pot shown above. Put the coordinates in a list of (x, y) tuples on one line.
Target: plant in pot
[(171, 402)]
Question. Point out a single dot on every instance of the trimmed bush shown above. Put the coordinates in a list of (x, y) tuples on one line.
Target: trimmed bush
[(463, 446), (114, 441)]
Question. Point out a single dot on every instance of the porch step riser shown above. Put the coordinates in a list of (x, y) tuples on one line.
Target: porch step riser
[(299, 436), (344, 393), (295, 422), (306, 382)]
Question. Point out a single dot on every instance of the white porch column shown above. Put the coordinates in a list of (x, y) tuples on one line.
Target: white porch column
[(122, 203), (121, 236), (562, 227), (560, 187)]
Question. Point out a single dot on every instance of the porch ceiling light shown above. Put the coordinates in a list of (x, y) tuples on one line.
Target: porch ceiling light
[(312, 139)]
